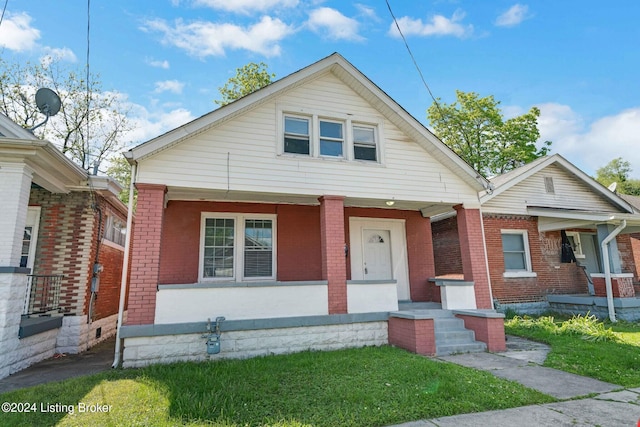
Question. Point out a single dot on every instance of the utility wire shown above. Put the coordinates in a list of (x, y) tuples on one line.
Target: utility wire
[(3, 10), (88, 84)]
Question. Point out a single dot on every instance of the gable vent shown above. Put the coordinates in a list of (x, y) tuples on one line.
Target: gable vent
[(548, 185)]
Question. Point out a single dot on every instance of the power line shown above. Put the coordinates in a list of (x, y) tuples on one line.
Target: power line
[(3, 10)]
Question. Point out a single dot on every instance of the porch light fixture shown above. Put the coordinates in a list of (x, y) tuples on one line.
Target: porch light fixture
[(390, 202)]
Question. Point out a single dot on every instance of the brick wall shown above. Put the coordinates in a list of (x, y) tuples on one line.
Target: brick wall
[(332, 241), (446, 247), (298, 239), (145, 258), (553, 277), (415, 335), (472, 250)]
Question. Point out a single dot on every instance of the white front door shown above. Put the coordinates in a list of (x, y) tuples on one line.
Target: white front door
[(377, 254)]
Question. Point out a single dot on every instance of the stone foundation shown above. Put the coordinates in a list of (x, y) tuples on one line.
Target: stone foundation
[(237, 344)]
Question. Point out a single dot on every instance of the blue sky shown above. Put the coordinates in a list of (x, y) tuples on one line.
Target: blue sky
[(577, 61)]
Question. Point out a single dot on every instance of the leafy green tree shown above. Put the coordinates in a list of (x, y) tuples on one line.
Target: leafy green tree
[(247, 80), (475, 129), (618, 171), (120, 170), (90, 125)]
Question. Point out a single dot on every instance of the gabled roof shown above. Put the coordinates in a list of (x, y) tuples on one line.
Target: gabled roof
[(353, 78), (506, 181), (10, 129)]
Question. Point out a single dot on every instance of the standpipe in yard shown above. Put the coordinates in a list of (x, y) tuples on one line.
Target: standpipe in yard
[(607, 268), (125, 267)]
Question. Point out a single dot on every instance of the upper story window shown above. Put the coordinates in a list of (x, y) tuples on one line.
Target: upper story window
[(331, 138), (327, 135), (296, 135), (364, 143)]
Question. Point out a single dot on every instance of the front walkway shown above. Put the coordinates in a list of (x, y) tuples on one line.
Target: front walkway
[(613, 406)]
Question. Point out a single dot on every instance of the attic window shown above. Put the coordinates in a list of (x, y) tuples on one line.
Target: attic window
[(548, 185)]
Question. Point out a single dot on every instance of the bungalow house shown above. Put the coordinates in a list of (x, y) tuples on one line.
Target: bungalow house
[(61, 252), (545, 224), (297, 217)]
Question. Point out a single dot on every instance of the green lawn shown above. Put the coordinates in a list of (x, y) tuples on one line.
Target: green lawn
[(372, 386), (585, 346)]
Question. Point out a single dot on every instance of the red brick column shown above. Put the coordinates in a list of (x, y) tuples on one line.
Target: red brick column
[(145, 256), (472, 250), (489, 330), (334, 264), (416, 335)]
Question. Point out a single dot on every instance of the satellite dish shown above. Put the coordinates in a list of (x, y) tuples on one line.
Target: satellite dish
[(613, 187), (48, 103)]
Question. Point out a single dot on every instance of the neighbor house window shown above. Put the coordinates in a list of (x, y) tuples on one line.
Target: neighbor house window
[(331, 138), (576, 245), (364, 143), (296, 135), (238, 247), (515, 248), (115, 230)]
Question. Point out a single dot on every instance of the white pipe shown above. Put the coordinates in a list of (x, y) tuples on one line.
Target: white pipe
[(607, 268), (125, 267)]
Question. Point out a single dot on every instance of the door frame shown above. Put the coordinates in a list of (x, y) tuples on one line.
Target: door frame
[(399, 259)]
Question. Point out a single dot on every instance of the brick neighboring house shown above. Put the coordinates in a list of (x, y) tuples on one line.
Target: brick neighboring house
[(57, 224), (300, 214), (531, 212)]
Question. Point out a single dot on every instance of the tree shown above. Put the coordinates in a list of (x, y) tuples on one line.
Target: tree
[(475, 129), (618, 171), (120, 170), (247, 80), (91, 123)]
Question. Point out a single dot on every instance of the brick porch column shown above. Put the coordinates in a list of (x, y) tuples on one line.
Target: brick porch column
[(145, 254), (334, 264), (472, 248)]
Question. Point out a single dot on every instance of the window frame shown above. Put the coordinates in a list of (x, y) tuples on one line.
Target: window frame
[(577, 251), (238, 247), (342, 140), (376, 143), (528, 270), (110, 231), (314, 117), (309, 134)]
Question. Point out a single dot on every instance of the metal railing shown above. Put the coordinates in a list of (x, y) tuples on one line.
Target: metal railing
[(43, 294)]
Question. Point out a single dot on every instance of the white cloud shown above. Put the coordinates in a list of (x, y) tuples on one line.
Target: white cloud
[(61, 54), (367, 11), (159, 64), (16, 32), (438, 25), (514, 16), (591, 145), (174, 86), (202, 39), (147, 125), (334, 24), (247, 6)]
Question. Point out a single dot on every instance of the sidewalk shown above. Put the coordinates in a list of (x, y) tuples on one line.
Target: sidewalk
[(612, 406), (92, 361)]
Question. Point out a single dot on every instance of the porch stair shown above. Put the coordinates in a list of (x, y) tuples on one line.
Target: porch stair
[(450, 334)]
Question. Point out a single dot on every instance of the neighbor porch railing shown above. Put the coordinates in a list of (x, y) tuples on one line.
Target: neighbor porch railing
[(43, 293)]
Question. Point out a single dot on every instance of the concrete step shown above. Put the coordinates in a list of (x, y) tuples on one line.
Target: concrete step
[(470, 347), (448, 337)]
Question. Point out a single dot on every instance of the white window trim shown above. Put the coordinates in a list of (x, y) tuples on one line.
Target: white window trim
[(528, 272), (314, 116), (343, 141), (108, 226), (576, 238), (238, 247)]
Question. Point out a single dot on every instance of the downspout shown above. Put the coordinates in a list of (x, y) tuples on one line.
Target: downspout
[(607, 268), (125, 266)]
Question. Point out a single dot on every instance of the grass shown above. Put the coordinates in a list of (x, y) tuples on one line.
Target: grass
[(586, 346), (373, 386)]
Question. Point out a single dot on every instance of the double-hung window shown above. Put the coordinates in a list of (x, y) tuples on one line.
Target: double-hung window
[(331, 138), (364, 143), (515, 248), (237, 247), (296, 135)]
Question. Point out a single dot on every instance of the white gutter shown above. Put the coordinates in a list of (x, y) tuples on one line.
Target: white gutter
[(125, 267), (607, 268)]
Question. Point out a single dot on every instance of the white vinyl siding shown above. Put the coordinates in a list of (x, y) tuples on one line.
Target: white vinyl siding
[(569, 192), (515, 249), (242, 155), (237, 247)]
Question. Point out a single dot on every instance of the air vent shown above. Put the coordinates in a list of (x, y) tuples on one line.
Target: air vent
[(548, 185)]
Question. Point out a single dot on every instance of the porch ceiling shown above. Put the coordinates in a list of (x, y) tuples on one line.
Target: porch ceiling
[(561, 219), (427, 208)]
